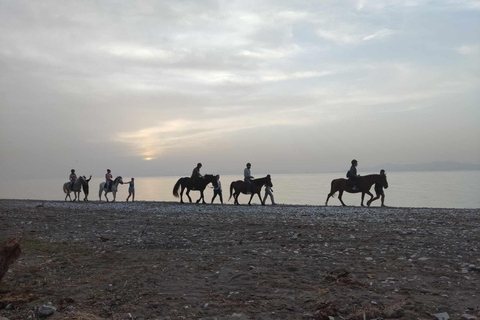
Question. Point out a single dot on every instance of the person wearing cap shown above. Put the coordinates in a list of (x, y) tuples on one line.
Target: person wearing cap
[(247, 177), (196, 175), (72, 178), (108, 180), (352, 175)]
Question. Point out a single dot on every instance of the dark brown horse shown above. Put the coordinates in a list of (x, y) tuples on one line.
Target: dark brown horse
[(364, 185), (188, 184), (241, 187)]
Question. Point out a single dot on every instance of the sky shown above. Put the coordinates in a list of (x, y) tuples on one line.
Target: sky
[(150, 88)]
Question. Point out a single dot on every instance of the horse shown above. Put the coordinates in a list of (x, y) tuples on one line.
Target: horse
[(118, 180), (81, 182), (241, 187), (364, 185), (187, 183)]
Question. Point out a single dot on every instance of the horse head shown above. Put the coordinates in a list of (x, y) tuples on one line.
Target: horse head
[(269, 181), (383, 178), (118, 179), (211, 178)]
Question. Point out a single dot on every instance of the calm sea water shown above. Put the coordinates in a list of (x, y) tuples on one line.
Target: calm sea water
[(446, 189)]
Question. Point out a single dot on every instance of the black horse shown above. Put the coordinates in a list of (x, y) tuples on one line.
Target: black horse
[(241, 187), (188, 183)]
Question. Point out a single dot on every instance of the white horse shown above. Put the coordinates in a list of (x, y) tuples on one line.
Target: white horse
[(82, 181), (118, 180)]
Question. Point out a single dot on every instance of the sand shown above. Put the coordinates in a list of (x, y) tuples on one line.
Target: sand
[(164, 260)]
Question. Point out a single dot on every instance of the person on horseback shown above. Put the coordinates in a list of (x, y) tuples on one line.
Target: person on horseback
[(108, 180), (72, 178), (352, 175), (196, 175), (247, 177)]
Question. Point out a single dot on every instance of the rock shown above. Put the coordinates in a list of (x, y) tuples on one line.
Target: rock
[(239, 316), (442, 316), (3, 318), (46, 311), (468, 317)]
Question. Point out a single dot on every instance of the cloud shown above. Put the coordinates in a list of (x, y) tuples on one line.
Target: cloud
[(379, 34), (469, 50), (184, 133)]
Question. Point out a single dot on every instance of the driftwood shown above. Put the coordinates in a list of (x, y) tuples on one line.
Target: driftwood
[(9, 252)]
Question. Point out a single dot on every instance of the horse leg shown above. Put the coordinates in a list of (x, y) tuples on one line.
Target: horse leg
[(114, 195), (328, 197), (106, 196), (261, 201), (340, 194), (363, 196), (369, 202), (188, 195), (371, 197), (201, 197), (235, 196), (251, 197)]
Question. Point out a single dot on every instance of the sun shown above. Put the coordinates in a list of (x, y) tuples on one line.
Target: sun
[(148, 158)]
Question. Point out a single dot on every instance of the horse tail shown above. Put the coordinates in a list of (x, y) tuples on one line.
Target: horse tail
[(176, 187), (65, 187), (231, 190), (332, 193)]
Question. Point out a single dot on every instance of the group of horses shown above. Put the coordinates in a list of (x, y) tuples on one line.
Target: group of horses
[(238, 187), (82, 183)]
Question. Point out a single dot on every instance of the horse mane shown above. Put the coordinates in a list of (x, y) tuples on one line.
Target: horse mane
[(261, 180), (208, 175)]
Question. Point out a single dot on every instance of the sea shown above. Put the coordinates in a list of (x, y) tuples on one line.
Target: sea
[(434, 189)]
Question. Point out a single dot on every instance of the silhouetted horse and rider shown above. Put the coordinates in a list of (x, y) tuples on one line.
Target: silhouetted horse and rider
[(199, 184), (363, 185), (256, 186)]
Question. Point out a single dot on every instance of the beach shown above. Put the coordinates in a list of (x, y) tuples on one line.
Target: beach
[(164, 260)]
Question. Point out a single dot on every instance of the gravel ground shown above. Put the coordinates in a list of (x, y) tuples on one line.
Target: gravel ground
[(163, 260)]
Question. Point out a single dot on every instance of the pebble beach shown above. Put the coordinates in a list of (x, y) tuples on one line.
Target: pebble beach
[(164, 260)]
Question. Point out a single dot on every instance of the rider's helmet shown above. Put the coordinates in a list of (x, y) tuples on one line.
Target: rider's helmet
[(199, 164), (108, 170), (249, 164), (72, 171), (354, 161)]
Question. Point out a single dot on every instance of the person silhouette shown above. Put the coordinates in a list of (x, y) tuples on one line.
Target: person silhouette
[(247, 177), (196, 175)]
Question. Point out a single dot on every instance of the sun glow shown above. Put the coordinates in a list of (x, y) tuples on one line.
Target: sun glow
[(148, 158)]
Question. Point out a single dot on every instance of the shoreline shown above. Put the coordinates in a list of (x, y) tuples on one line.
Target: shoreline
[(243, 205)]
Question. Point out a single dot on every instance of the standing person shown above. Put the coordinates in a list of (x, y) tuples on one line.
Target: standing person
[(352, 175), (268, 192), (218, 190), (131, 189), (247, 177), (379, 191), (72, 178), (108, 180), (196, 175)]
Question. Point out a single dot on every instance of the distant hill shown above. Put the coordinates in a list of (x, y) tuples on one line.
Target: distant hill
[(430, 166)]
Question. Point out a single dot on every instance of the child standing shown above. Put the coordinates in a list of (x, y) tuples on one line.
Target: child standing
[(131, 189), (218, 190)]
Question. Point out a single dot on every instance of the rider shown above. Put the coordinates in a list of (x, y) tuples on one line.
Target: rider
[(352, 175), (73, 178), (247, 177), (196, 174), (108, 180)]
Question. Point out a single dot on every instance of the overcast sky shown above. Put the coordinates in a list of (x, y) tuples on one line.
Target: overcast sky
[(150, 88)]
